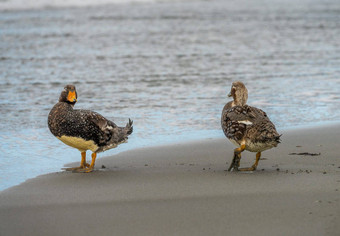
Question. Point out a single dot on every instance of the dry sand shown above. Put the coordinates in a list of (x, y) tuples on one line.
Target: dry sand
[(183, 189)]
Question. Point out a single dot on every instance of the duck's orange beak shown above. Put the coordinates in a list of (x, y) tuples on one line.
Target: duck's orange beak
[(72, 96)]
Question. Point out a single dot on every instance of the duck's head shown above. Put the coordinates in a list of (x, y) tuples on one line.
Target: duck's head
[(239, 93), (69, 95)]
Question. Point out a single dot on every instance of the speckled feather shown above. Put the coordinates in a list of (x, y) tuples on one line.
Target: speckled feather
[(249, 124), (63, 120)]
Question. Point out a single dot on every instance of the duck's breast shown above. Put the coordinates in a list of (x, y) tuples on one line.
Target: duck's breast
[(79, 143)]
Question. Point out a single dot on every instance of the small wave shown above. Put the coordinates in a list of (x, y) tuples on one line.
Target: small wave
[(42, 4)]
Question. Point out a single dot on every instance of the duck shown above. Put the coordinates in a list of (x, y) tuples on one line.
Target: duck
[(249, 128), (84, 129)]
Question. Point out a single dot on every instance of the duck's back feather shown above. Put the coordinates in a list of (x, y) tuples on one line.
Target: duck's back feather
[(248, 123), (88, 125)]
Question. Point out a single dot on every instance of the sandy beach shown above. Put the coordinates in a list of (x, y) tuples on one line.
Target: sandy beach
[(168, 65), (183, 189)]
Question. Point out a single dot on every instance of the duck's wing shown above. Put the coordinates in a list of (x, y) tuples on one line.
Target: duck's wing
[(239, 122), (235, 121), (109, 134), (100, 121), (98, 127), (262, 130)]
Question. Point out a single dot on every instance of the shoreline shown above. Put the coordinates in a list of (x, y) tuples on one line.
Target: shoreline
[(183, 189), (166, 142)]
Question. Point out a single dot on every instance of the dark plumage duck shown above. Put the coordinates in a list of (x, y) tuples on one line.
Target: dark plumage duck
[(247, 127), (84, 129)]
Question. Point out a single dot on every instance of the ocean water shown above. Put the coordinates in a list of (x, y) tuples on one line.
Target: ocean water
[(167, 65)]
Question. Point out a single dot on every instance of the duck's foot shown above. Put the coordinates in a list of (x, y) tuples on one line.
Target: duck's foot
[(231, 167), (84, 167), (79, 169), (234, 168), (83, 170), (89, 168), (235, 163), (253, 167), (73, 169)]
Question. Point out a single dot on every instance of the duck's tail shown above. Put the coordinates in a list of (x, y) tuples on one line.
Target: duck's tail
[(118, 135), (276, 139), (124, 132), (129, 128), (272, 137)]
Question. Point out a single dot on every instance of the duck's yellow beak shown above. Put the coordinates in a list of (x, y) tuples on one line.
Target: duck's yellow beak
[(71, 96)]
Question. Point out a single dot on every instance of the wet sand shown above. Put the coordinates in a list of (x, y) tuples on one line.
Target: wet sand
[(183, 189), (163, 62)]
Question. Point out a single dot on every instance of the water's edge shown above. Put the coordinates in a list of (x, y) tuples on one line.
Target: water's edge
[(184, 142)]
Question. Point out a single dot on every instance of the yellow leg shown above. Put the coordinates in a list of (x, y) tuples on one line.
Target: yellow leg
[(83, 163), (258, 155), (94, 156), (91, 167), (237, 157)]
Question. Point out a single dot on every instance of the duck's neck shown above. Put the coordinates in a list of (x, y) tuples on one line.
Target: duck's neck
[(240, 99), (237, 103), (68, 105)]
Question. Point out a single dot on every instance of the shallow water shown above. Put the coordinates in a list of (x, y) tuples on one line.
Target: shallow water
[(166, 65)]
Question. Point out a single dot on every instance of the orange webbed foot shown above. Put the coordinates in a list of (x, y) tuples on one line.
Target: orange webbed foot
[(83, 170), (76, 169)]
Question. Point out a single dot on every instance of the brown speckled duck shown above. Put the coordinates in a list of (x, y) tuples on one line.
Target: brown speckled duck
[(84, 129), (247, 127)]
